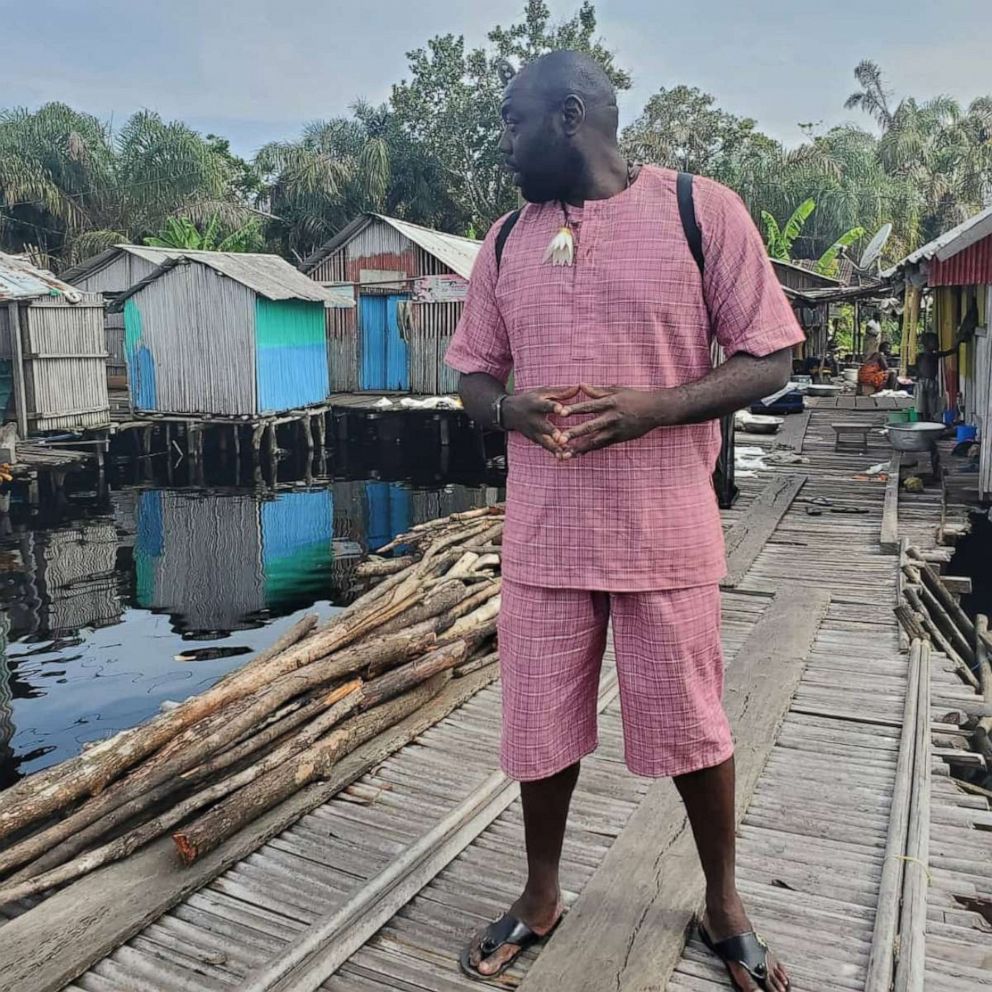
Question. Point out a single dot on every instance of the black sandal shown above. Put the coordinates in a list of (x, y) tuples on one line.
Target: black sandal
[(506, 930), (745, 949)]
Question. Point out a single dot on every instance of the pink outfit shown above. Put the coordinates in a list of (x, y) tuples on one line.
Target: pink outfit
[(635, 517), (669, 667)]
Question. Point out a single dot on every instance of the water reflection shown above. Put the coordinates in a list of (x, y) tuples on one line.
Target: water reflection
[(107, 609)]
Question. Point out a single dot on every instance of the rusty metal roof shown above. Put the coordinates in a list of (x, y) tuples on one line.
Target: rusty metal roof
[(20, 279), (456, 252)]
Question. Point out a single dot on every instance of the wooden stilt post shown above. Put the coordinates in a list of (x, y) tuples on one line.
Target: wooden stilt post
[(306, 426), (236, 434)]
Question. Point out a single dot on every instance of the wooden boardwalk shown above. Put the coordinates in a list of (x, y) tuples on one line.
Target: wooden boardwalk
[(812, 841)]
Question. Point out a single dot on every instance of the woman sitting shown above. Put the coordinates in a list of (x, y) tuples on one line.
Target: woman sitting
[(875, 371)]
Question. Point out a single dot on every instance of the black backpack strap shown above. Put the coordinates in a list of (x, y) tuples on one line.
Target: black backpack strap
[(687, 211), (503, 234)]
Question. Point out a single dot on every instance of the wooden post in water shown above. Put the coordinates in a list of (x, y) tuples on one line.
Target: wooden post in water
[(236, 433)]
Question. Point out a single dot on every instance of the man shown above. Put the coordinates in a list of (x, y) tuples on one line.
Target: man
[(927, 393), (601, 311), (929, 398)]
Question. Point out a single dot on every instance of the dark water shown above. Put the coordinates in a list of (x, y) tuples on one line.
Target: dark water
[(111, 605)]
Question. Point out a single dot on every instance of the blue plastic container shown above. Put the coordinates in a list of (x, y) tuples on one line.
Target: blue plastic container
[(966, 432), (949, 417)]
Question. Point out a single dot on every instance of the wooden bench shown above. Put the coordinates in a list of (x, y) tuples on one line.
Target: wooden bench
[(851, 437)]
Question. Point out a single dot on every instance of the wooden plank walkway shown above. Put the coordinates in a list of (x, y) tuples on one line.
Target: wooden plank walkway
[(811, 843)]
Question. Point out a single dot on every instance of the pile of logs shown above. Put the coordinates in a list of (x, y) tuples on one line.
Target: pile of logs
[(216, 761), (931, 611)]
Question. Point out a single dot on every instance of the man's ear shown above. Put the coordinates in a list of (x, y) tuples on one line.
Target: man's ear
[(573, 113)]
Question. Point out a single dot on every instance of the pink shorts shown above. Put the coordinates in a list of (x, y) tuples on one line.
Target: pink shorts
[(669, 667)]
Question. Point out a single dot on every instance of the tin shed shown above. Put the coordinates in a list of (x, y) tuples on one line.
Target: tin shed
[(411, 284), (226, 334), (52, 352)]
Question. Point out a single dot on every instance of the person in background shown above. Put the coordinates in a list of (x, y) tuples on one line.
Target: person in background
[(928, 394), (875, 371), (873, 335)]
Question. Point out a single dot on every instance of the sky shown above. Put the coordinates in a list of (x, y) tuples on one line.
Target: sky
[(257, 70)]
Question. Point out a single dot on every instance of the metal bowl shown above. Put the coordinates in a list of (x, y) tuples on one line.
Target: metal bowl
[(822, 389), (921, 436)]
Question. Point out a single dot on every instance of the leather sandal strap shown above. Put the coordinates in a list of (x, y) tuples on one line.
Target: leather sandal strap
[(506, 930), (747, 950)]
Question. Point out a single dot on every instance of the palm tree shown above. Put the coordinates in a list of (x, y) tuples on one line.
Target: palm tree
[(70, 186), (337, 168), (873, 98)]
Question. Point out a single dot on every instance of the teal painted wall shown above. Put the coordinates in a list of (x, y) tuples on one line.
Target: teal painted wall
[(291, 354)]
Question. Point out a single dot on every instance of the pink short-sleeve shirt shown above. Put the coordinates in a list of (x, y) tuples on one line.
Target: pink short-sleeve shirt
[(631, 311)]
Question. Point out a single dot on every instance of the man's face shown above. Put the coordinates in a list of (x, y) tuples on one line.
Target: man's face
[(538, 153)]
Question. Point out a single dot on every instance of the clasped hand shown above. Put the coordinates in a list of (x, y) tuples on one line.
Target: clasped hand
[(620, 414)]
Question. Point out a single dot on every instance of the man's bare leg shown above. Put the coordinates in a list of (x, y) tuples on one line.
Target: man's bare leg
[(709, 802), (545, 807)]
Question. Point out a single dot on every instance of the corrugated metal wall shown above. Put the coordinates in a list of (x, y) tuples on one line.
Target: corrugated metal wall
[(200, 559), (341, 328), (291, 359), (65, 367), (190, 344), (971, 266), (379, 247), (428, 335), (116, 358), (117, 277)]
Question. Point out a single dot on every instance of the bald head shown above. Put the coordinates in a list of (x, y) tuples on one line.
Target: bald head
[(559, 112), (559, 75)]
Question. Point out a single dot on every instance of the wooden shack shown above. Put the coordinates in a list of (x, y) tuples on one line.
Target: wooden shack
[(52, 352), (219, 334), (411, 283), (955, 272), (112, 273)]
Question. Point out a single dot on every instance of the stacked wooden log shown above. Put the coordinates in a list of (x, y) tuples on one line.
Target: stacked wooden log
[(931, 611), (218, 760)]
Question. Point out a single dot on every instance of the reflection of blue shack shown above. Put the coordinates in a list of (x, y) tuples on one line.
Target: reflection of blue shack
[(215, 563), (388, 505)]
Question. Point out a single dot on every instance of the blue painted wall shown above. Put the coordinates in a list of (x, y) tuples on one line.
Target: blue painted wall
[(384, 352), (291, 354), (140, 363)]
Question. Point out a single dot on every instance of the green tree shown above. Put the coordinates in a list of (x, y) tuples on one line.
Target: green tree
[(683, 129), (450, 104), (70, 186), (872, 97)]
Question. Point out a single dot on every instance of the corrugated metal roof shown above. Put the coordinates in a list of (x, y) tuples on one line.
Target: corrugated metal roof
[(268, 275), (958, 238), (21, 280), (104, 258), (457, 253)]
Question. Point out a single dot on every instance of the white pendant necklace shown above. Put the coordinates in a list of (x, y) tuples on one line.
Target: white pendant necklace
[(561, 250)]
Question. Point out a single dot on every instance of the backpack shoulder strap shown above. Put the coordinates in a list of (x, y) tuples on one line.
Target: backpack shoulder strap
[(503, 234), (687, 212)]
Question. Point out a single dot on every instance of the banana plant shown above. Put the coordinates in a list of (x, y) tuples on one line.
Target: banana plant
[(779, 240), (827, 264)]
